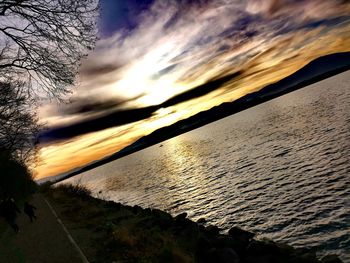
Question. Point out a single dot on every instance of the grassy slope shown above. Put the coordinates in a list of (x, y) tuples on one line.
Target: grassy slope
[(107, 231), (111, 232)]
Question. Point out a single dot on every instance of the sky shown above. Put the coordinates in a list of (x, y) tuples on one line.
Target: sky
[(151, 51)]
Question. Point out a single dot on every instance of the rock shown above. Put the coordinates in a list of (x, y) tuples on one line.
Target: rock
[(241, 239), (187, 227), (239, 233), (114, 205), (285, 249), (225, 241), (269, 251), (221, 255), (147, 211), (161, 214), (182, 223), (259, 248), (331, 259), (136, 209), (201, 221), (212, 230), (307, 255), (163, 223), (308, 258), (201, 228), (181, 216)]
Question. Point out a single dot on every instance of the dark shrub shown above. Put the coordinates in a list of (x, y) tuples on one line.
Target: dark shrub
[(78, 189), (15, 179)]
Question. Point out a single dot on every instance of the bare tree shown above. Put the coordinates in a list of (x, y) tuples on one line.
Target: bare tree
[(18, 122), (43, 41)]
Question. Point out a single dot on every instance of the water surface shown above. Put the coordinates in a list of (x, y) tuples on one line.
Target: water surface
[(280, 169)]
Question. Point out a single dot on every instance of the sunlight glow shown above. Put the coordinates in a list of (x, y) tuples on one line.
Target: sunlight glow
[(156, 76), (144, 77)]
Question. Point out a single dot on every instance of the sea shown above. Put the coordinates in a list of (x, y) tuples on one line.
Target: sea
[(280, 169)]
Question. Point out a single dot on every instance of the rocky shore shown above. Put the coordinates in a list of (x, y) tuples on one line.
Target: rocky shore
[(111, 232)]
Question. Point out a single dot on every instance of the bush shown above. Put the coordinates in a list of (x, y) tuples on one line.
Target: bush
[(45, 187), (77, 190), (15, 179)]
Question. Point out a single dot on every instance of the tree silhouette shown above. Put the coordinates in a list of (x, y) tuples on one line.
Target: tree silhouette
[(18, 122), (43, 41)]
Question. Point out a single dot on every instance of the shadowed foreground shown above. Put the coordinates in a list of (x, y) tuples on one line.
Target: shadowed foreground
[(110, 232), (44, 240)]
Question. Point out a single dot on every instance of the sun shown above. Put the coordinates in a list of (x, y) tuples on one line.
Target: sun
[(145, 77)]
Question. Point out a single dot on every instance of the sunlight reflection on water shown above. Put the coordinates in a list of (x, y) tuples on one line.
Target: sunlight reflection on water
[(280, 169)]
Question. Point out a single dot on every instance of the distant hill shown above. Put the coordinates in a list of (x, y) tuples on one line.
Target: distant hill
[(318, 69)]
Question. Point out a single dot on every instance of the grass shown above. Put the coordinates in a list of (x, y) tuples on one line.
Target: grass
[(75, 190), (108, 231), (111, 232)]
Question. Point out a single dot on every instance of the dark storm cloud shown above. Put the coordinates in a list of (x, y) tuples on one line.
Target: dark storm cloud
[(200, 90), (93, 105), (116, 118), (124, 116)]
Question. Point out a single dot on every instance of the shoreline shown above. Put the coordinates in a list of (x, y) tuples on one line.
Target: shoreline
[(111, 232), (267, 93)]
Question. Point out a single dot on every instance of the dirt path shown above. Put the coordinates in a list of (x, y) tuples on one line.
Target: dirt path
[(43, 241)]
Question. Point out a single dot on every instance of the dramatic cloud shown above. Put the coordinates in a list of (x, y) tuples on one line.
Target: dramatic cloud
[(174, 41), (121, 116), (158, 60)]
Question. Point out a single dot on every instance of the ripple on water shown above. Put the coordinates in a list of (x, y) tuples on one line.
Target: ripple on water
[(281, 169)]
